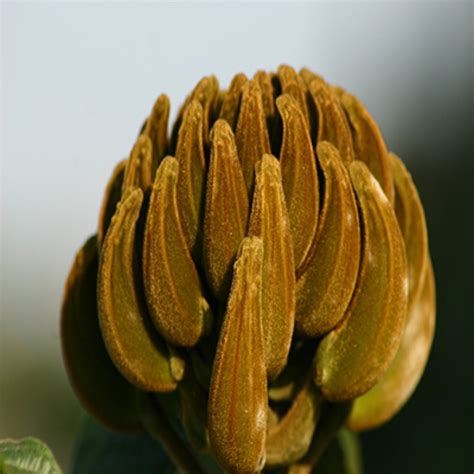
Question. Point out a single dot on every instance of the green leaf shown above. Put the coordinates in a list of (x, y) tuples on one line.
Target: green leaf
[(25, 456), (101, 451)]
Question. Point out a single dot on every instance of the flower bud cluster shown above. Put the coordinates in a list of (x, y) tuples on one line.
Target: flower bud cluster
[(265, 267)]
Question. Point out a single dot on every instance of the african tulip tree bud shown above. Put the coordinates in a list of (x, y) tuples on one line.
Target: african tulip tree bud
[(267, 264)]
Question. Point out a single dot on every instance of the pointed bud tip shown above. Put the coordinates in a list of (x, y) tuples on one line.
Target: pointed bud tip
[(268, 164), (221, 130), (169, 166), (326, 151), (250, 245), (364, 181), (193, 111)]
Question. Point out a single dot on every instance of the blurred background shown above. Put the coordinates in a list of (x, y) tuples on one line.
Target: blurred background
[(77, 81)]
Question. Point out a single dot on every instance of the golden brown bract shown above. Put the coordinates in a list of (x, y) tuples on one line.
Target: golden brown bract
[(238, 390), (397, 384), (332, 123), (133, 346), (173, 289), (231, 103), (269, 222), (251, 135), (227, 210), (299, 177), (112, 195), (288, 439), (325, 289), (368, 142), (353, 357), (190, 186), (156, 128)]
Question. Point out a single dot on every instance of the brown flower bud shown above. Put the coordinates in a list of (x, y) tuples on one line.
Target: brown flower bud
[(268, 261)]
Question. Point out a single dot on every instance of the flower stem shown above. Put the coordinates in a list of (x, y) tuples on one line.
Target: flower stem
[(158, 426)]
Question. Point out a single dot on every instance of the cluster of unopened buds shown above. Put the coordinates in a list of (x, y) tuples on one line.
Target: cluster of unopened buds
[(260, 279)]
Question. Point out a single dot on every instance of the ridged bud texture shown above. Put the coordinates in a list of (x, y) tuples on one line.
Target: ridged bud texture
[(266, 264)]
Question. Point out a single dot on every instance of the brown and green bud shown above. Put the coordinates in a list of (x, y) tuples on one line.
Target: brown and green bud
[(267, 265)]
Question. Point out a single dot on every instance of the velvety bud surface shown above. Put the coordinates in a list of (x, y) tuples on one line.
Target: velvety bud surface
[(260, 280)]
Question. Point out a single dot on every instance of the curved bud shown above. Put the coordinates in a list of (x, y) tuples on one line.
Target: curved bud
[(269, 91), (100, 387), (309, 76), (227, 210), (299, 176), (324, 290), (332, 123), (192, 167), (238, 390), (289, 439), (112, 195), (397, 384), (128, 334), (411, 219), (266, 87), (293, 85), (231, 104), (137, 172), (369, 145), (172, 286), (269, 222), (157, 129), (251, 135), (352, 358), (206, 93)]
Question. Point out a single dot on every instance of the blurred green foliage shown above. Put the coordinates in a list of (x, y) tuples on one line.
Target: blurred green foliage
[(26, 456)]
